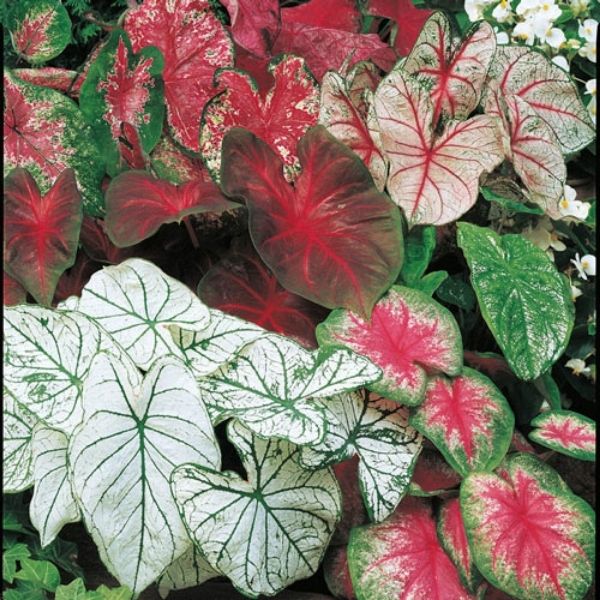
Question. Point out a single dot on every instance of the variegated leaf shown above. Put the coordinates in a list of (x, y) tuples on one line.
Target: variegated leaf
[(189, 570), (337, 573)]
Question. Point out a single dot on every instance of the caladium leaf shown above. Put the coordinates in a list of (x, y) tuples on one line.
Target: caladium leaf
[(194, 44), (121, 457), (337, 573), (548, 89), (377, 430), (56, 78), (435, 179), (271, 385), (121, 88), (566, 432), (137, 303), (432, 475), (12, 291), (334, 14), (45, 133), (332, 238), (402, 558), (39, 29), (73, 280), (524, 300), (137, 204), (52, 504), (41, 232), (174, 165), (290, 107), (453, 72), (530, 535), (189, 570), (354, 512), (268, 531), (468, 419), (408, 335), (97, 245)]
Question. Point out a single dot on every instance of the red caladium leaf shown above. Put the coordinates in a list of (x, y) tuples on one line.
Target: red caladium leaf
[(257, 67), (408, 335), (97, 244), (530, 535), (529, 74), (353, 507), (40, 232), (137, 204), (519, 443), (453, 72), (61, 80), (130, 148), (432, 475), (13, 292), (332, 238), (73, 280), (566, 432), (434, 179), (331, 14), (468, 419), (170, 163), (289, 109), (402, 558), (45, 133), (194, 44), (337, 573), (241, 285)]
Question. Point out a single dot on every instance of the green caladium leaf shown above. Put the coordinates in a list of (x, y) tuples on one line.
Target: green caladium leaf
[(120, 459), (271, 384), (189, 570), (137, 304), (10, 557), (39, 573), (52, 504), (524, 300), (377, 430), (419, 245), (266, 532)]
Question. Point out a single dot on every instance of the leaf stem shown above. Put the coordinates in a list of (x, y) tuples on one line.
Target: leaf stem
[(191, 232)]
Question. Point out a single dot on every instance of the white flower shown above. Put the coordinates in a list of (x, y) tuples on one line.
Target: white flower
[(523, 32), (578, 366), (579, 6), (570, 207), (503, 13), (592, 109), (501, 37), (590, 87), (588, 30), (474, 8), (589, 51), (575, 292), (585, 266), (553, 36), (544, 237), (573, 44), (562, 62), (527, 7)]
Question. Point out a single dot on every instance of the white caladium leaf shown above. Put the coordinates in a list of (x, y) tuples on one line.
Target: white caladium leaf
[(52, 504), (135, 432), (434, 179), (189, 570), (377, 430), (137, 303), (270, 386), (266, 532)]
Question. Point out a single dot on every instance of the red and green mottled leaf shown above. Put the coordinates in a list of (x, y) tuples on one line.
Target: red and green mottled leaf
[(137, 204), (409, 335), (331, 14), (566, 432), (332, 238), (41, 232), (548, 89), (13, 292), (468, 419), (39, 29), (530, 535), (353, 508), (453, 72), (170, 163), (435, 179), (56, 78), (432, 475), (123, 88), (290, 107), (337, 573), (45, 133), (402, 558), (519, 443), (194, 44)]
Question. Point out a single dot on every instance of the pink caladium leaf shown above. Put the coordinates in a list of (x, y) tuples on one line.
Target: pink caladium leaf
[(56, 78), (12, 291), (330, 14), (337, 573), (353, 508), (402, 558), (332, 237), (132, 153), (256, 67), (566, 432), (453, 72), (170, 163), (550, 91), (409, 335), (435, 179), (432, 475), (530, 535), (40, 231), (137, 204), (290, 107), (519, 443), (194, 44), (468, 419)]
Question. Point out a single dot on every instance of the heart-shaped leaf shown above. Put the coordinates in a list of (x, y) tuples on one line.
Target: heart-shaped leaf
[(530, 535), (566, 432), (435, 179), (524, 300), (332, 238), (266, 532), (56, 78), (408, 335), (432, 476), (189, 570), (120, 459), (45, 133), (194, 44), (137, 303), (41, 232), (377, 430), (337, 573), (468, 419), (271, 385), (171, 163), (335, 14), (12, 291), (402, 558)]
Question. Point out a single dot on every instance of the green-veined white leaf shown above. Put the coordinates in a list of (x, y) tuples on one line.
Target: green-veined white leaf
[(135, 432), (377, 430), (269, 531), (189, 570)]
